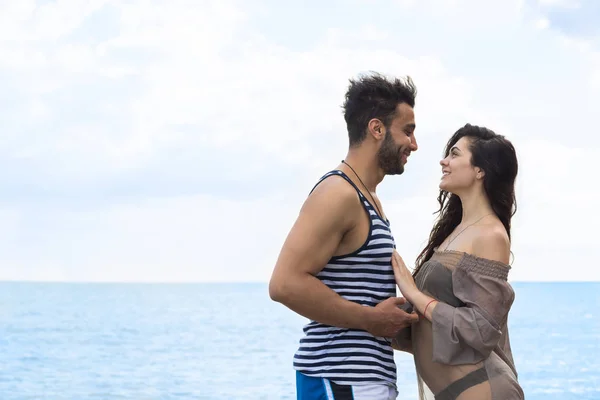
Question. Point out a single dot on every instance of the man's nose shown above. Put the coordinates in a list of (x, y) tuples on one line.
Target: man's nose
[(413, 143)]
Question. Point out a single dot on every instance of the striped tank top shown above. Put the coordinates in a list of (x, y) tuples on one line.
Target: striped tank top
[(365, 276)]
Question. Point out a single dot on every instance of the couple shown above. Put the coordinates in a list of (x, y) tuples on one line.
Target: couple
[(339, 268)]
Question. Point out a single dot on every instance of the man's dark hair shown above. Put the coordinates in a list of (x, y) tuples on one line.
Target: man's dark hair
[(374, 96)]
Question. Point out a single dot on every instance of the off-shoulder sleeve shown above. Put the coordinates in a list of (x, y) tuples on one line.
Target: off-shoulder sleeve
[(468, 334)]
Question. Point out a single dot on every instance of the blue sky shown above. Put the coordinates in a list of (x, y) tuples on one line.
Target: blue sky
[(176, 140)]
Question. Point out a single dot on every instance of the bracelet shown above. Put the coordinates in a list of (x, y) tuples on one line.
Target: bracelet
[(428, 306)]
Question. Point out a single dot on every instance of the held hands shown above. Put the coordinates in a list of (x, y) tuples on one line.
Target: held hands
[(387, 318), (404, 278)]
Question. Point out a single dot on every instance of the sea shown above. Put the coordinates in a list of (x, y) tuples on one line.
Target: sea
[(79, 341)]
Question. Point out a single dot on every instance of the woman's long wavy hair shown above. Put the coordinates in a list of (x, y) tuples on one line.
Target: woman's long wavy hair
[(496, 156)]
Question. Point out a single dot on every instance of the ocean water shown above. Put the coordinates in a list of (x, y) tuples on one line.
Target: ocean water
[(230, 341)]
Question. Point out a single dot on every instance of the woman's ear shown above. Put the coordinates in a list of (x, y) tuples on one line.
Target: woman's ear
[(479, 173)]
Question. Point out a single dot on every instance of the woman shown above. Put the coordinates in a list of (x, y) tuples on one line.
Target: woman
[(459, 287)]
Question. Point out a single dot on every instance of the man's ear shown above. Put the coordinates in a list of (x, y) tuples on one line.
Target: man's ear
[(376, 128)]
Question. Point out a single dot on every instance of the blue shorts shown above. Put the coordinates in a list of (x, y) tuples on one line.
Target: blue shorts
[(314, 388)]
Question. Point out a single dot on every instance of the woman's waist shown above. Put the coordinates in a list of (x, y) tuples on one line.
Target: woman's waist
[(437, 376)]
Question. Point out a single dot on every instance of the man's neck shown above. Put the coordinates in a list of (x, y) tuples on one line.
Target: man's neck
[(365, 167)]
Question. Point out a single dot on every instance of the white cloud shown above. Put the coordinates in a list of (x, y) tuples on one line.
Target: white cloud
[(174, 122), (196, 238), (560, 3), (542, 23)]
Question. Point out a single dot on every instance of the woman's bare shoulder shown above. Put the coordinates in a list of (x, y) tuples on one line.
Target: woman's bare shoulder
[(492, 243)]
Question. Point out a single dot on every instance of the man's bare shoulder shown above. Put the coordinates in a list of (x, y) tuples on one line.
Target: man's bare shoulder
[(333, 193), (492, 242)]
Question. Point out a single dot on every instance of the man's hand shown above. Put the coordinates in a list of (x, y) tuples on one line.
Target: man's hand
[(386, 319)]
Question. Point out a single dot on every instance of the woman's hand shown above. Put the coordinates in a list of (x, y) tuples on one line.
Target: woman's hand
[(403, 277)]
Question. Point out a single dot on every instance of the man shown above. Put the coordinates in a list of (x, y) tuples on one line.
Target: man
[(335, 265)]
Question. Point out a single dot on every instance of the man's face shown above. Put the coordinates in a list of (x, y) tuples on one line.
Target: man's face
[(399, 141)]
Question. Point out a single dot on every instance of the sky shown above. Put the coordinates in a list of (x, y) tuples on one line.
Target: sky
[(175, 141)]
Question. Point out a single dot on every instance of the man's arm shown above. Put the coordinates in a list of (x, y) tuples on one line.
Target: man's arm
[(328, 213)]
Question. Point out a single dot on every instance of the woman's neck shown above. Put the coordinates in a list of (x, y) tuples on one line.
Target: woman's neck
[(475, 205)]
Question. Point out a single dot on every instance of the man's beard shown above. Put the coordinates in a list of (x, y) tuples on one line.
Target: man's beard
[(389, 156)]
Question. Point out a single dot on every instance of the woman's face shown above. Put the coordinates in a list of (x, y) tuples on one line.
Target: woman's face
[(458, 173)]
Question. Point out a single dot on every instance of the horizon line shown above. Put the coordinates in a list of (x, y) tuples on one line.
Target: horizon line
[(125, 282)]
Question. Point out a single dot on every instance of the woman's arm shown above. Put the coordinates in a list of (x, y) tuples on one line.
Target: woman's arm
[(421, 302), (469, 333)]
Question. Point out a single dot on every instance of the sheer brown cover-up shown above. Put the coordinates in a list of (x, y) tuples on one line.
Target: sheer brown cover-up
[(464, 353)]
